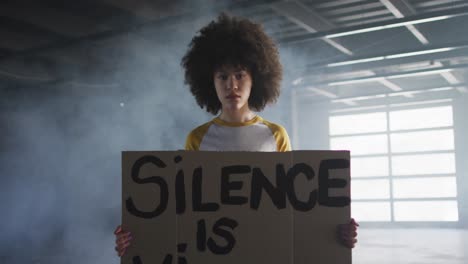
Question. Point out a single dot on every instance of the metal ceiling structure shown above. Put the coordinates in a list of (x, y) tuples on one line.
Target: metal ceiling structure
[(348, 48)]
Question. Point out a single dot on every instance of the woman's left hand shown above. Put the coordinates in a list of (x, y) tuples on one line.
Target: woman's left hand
[(347, 233)]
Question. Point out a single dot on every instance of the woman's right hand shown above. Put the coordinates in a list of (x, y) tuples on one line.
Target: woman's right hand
[(122, 240)]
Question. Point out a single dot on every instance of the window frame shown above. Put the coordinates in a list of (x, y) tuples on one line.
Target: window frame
[(387, 109)]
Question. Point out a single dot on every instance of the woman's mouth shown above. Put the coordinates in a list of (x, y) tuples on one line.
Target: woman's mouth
[(233, 96)]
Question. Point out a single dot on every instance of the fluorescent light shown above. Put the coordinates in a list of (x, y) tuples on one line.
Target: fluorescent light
[(322, 92), (355, 81), (360, 98), (415, 22), (408, 94), (418, 73), (357, 109), (382, 79), (349, 102), (415, 53), (394, 25), (422, 103), (355, 61), (448, 88), (353, 32), (394, 56)]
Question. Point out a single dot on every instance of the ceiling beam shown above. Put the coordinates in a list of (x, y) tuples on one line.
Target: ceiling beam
[(308, 19), (392, 75), (360, 29), (458, 87), (401, 8), (432, 52), (392, 86), (318, 72)]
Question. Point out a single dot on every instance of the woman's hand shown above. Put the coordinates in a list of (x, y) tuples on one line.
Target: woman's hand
[(347, 233), (122, 240)]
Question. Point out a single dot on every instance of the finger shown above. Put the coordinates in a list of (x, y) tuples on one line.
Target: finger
[(348, 228), (353, 222), (123, 241), (121, 238), (352, 234), (349, 236), (352, 243), (122, 247), (347, 231), (352, 227), (349, 243), (346, 239), (125, 246), (120, 252), (118, 229), (123, 235)]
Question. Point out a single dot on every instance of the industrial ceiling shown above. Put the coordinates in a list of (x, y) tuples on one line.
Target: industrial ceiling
[(350, 50)]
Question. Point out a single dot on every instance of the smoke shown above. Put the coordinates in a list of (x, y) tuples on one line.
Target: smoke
[(60, 148), (60, 190)]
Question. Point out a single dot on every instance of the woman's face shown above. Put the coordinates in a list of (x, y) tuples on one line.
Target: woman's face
[(233, 86)]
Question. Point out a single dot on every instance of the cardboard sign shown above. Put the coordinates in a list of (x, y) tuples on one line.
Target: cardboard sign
[(235, 207)]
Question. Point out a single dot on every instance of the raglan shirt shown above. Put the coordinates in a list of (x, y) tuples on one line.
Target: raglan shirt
[(256, 134)]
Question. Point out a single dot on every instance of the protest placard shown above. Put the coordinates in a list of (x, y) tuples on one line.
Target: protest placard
[(235, 207)]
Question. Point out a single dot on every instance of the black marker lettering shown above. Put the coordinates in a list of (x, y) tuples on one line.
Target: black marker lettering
[(198, 205), (226, 234), (201, 235), (300, 168), (326, 183), (227, 185), (180, 192), (163, 189), (260, 182)]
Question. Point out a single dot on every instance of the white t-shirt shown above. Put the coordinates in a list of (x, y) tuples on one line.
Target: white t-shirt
[(256, 134)]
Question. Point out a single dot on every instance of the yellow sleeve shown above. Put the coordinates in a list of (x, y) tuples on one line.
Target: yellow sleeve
[(282, 139), (194, 138), (281, 136), (191, 142)]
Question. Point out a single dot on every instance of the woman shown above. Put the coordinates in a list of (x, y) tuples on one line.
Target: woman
[(232, 68)]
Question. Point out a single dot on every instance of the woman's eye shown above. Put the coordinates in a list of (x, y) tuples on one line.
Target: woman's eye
[(223, 77), (239, 76)]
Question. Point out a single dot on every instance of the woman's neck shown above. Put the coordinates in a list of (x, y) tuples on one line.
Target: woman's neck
[(238, 116)]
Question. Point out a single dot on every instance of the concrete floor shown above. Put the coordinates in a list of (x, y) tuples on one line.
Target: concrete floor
[(411, 246)]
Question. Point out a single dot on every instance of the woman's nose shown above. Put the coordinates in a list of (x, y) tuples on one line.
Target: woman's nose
[(232, 83)]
